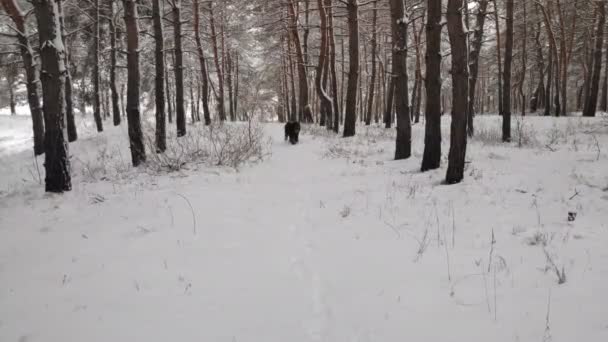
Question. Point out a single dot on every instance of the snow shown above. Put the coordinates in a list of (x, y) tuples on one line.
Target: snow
[(325, 241)]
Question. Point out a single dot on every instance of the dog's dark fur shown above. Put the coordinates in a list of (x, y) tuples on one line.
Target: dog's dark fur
[(292, 132)]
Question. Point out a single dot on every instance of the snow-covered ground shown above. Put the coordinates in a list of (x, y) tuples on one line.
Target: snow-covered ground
[(328, 240)]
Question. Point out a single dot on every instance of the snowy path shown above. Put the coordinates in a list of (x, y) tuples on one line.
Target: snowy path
[(298, 248)]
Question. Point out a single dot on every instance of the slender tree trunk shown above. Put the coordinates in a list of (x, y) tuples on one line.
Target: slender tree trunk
[(96, 76), (403, 141), (332, 66), (498, 59), (372, 82), (136, 139), (304, 109), (236, 84), (388, 113), (218, 67), (69, 105), (52, 77), (604, 96), (294, 110), (326, 101), (27, 55), (113, 61), (474, 63), (180, 110), (432, 127), (591, 103), (201, 61), (506, 90), (350, 115), (460, 84), (159, 79), (523, 59)]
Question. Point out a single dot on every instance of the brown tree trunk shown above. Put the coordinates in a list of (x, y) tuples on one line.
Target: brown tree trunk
[(432, 128), (403, 142), (96, 75), (159, 79), (506, 90), (332, 65), (372, 81), (460, 84), (498, 59), (523, 59), (113, 90), (27, 55), (180, 110), (350, 114), (294, 110), (604, 96), (57, 162), (136, 139), (591, 103)]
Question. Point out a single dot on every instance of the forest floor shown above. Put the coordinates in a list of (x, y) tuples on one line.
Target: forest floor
[(328, 240)]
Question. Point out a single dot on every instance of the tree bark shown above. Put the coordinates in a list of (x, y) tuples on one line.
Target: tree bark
[(218, 66), (159, 77), (591, 103), (201, 61), (304, 110), (69, 105), (136, 139), (326, 101), (332, 65), (96, 75), (52, 76), (178, 68), (350, 114), (460, 84), (403, 142), (113, 60), (506, 90), (372, 82), (432, 129), (474, 63)]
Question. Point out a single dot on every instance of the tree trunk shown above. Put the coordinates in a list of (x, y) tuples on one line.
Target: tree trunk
[(474, 63), (604, 97), (304, 110), (523, 59), (506, 90), (591, 103), (460, 84), (178, 68), (218, 67), (69, 105), (159, 79), (326, 101), (201, 61), (332, 66), (403, 143), (388, 113), (52, 77), (136, 139), (372, 82), (432, 127), (350, 115), (113, 60), (498, 59), (96, 76)]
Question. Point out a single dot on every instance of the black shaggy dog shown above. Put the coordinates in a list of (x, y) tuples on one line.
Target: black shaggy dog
[(292, 132)]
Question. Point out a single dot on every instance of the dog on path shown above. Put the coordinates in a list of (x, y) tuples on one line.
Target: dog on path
[(292, 132)]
